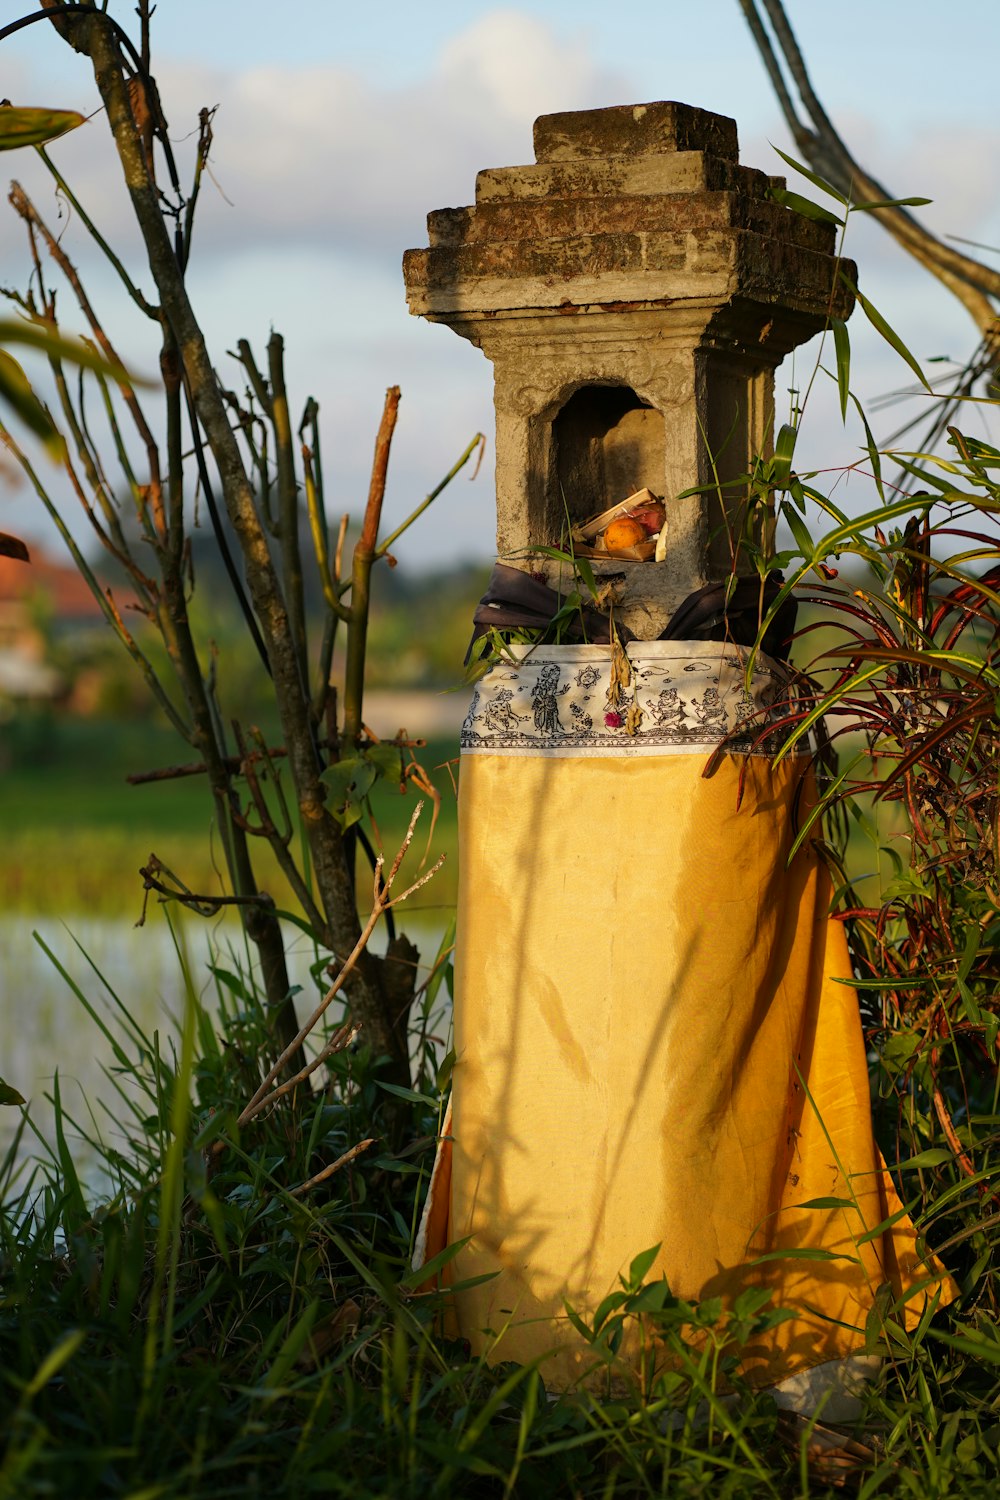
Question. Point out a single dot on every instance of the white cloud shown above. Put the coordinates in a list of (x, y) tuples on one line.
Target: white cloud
[(516, 65), (325, 155)]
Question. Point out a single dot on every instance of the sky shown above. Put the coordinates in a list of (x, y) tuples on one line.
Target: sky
[(340, 125)]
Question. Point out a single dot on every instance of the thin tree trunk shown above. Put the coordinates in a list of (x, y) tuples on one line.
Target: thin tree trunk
[(92, 36)]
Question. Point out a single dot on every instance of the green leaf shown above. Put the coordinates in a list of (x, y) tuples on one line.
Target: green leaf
[(873, 203), (54, 1361), (891, 337), (879, 1230), (973, 1343), (410, 1095), (799, 530), (8, 1094), (16, 392), (437, 1263), (284, 1361), (33, 127), (74, 1207), (935, 1157), (641, 1265), (784, 450), (990, 1031), (611, 1303), (387, 759), (801, 1252), (824, 706), (56, 346), (440, 969), (871, 447), (15, 387), (970, 951), (586, 574), (821, 805), (650, 1298), (804, 206), (445, 1071), (814, 177), (578, 1323), (828, 1203), (842, 345), (969, 1004), (468, 1282), (749, 1303), (350, 780)]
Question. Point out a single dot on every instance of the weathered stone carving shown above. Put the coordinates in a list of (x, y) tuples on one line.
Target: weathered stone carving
[(635, 289)]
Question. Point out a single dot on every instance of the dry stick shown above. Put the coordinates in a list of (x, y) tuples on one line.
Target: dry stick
[(951, 265), (338, 556), (323, 700), (339, 1042), (966, 1163), (478, 442), (204, 151), (137, 490), (110, 506), (317, 524), (23, 206), (334, 1166), (267, 828), (112, 538), (137, 297), (277, 840), (364, 557), (207, 905), (288, 502), (236, 762), (381, 904)]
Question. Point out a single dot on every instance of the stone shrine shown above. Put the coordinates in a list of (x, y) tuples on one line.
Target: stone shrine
[(635, 289)]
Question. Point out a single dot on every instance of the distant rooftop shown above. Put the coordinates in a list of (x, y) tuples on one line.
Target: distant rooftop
[(70, 597)]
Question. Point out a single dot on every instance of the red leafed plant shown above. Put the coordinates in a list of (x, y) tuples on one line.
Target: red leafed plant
[(903, 667)]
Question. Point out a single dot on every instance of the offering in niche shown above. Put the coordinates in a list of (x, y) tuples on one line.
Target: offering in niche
[(622, 533), (629, 530)]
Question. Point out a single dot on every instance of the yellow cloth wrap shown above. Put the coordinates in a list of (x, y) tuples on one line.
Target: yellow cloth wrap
[(652, 1049)]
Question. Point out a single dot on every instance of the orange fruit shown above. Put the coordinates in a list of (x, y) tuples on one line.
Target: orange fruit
[(622, 533)]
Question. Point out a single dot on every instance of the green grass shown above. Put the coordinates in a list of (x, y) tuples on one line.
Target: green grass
[(206, 1331), (76, 833)]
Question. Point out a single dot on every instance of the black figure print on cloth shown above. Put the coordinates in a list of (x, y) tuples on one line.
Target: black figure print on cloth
[(547, 703)]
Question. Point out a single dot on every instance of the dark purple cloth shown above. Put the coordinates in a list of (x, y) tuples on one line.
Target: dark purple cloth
[(725, 611)]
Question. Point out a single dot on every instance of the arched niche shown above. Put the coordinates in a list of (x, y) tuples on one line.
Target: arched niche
[(607, 443)]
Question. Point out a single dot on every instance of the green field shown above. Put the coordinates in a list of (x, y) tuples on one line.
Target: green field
[(75, 832)]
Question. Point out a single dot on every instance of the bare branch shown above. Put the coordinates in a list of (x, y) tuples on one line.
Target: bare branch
[(26, 209), (972, 282), (381, 904), (140, 301), (334, 1166), (339, 1042), (364, 556)]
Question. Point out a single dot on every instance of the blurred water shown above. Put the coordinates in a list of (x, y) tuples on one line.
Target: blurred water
[(44, 1027)]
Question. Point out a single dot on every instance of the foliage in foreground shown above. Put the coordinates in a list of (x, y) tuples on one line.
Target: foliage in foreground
[(216, 1327), (243, 1320)]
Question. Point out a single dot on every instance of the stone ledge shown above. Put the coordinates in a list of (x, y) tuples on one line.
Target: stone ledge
[(634, 130), (496, 223), (619, 268), (621, 177)]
